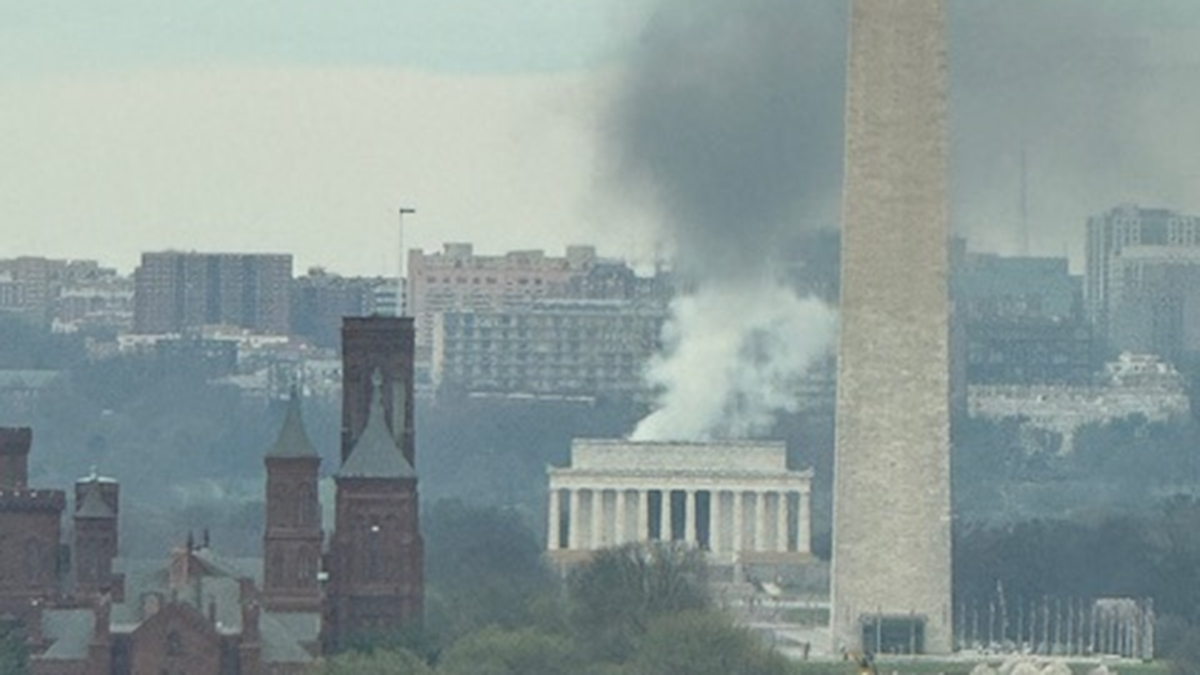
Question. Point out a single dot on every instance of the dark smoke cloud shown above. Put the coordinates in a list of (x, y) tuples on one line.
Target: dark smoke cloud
[(1095, 94), (730, 118), (726, 119)]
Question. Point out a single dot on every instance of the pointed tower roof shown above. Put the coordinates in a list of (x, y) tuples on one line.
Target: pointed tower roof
[(93, 505), (375, 454), (293, 439)]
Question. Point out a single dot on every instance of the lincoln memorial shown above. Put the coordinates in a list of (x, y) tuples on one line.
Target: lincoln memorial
[(735, 499)]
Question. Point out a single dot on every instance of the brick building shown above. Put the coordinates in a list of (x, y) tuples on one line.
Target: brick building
[(30, 529), (90, 612), (376, 574)]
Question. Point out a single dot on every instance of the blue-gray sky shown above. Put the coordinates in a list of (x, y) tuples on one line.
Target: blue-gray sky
[(300, 126)]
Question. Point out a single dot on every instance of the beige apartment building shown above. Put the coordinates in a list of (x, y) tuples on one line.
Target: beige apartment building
[(553, 348), (593, 317)]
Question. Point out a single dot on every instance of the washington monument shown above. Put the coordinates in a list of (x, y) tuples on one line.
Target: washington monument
[(891, 530)]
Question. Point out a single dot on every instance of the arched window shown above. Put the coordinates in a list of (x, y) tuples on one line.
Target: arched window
[(277, 568), (305, 505), (305, 574), (174, 644), (373, 535), (277, 502)]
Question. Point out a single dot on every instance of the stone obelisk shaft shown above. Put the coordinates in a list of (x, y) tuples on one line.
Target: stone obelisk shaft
[(891, 553)]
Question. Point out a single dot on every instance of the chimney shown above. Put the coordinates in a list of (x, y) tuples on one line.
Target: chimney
[(14, 456), (103, 612), (181, 562)]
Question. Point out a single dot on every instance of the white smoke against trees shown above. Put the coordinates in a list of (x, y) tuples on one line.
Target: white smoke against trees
[(720, 123)]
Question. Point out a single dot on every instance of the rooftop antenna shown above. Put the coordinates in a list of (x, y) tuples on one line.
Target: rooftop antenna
[(401, 283)]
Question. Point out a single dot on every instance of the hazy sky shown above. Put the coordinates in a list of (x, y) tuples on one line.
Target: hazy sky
[(301, 126)]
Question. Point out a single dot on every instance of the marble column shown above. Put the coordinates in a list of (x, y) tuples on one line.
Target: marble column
[(664, 521), (781, 522), (714, 521), (760, 521), (574, 541), (689, 518), (619, 516), (739, 521), (803, 524), (643, 516), (554, 526), (597, 519)]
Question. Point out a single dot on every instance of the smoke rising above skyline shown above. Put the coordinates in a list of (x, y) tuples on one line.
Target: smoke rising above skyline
[(720, 380), (1098, 95), (728, 124), (722, 124)]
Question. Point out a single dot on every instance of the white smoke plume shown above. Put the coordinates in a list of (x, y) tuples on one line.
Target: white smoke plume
[(722, 123), (733, 358)]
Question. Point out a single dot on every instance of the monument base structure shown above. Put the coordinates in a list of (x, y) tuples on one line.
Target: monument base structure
[(737, 500), (891, 567)]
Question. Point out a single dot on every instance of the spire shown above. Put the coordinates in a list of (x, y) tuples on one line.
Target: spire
[(93, 505), (376, 454), (293, 439)]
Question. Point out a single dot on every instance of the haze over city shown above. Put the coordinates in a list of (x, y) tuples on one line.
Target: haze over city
[(302, 128)]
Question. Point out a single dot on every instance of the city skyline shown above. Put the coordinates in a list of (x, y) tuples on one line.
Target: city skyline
[(306, 130)]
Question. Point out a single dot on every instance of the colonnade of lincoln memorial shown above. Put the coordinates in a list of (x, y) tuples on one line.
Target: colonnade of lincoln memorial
[(734, 499)]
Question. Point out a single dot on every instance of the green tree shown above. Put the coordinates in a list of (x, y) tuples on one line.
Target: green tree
[(485, 568), (378, 662), (703, 643), (494, 651), (615, 596), (1182, 650), (14, 658), (1177, 558)]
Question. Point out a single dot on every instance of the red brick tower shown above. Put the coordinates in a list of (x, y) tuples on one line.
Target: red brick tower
[(292, 538), (30, 528), (14, 456), (97, 505), (376, 556), (382, 344)]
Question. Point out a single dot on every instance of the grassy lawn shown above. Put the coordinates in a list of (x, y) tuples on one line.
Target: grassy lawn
[(932, 667)]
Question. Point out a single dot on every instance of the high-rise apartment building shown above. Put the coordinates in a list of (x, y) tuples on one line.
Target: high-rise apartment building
[(42, 289), (320, 300), (453, 291), (457, 280), (554, 348), (1143, 280), (176, 292)]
